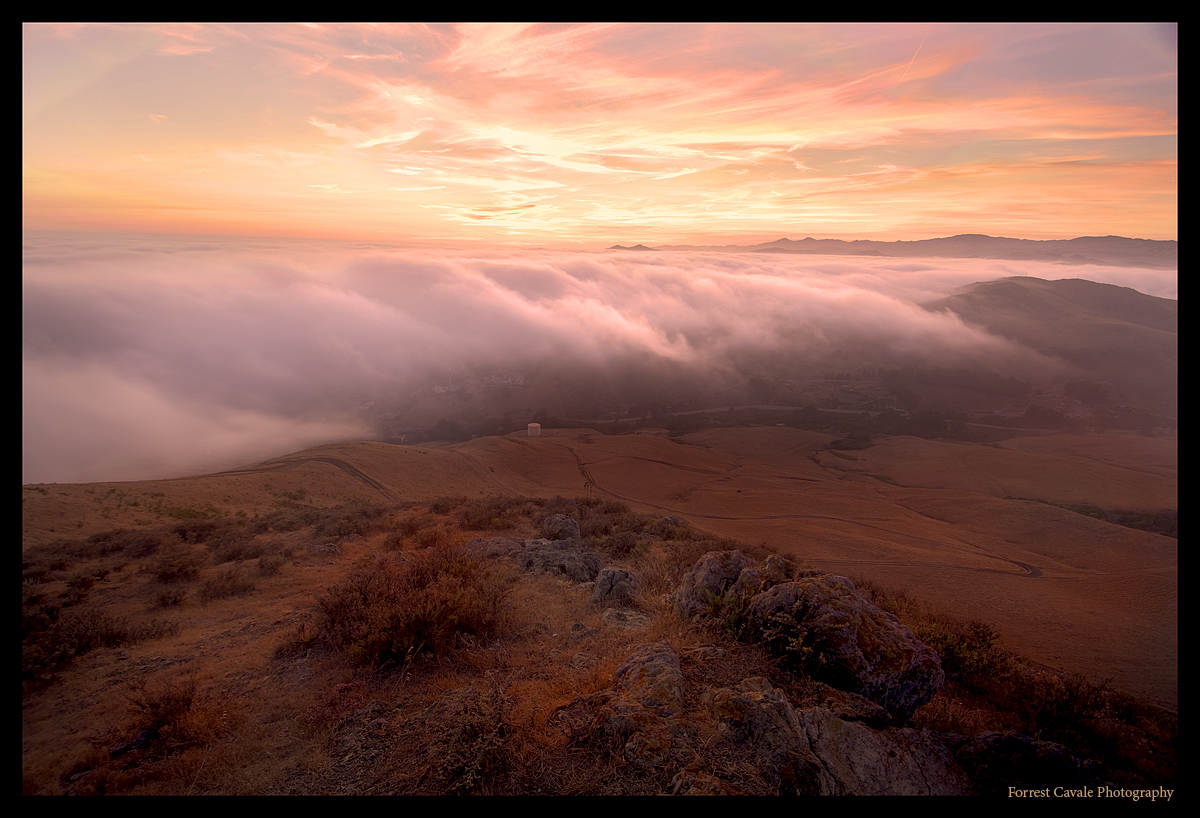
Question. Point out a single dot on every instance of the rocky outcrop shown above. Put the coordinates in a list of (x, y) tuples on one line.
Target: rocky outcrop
[(616, 588), (705, 585), (813, 752), (837, 635), (818, 622), (560, 527), (893, 761), (642, 710), (566, 558), (760, 718)]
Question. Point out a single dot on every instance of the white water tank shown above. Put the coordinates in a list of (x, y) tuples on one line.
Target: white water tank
[(535, 430)]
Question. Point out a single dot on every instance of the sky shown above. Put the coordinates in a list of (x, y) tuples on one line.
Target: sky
[(584, 136)]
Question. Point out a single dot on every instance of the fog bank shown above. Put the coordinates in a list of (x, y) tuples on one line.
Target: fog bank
[(149, 357)]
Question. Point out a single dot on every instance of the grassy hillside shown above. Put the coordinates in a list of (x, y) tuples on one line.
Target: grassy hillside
[(368, 649)]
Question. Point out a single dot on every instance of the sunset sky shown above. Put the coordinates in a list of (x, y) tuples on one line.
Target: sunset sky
[(589, 135)]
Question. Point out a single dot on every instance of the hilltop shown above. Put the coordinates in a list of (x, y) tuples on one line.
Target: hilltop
[(1116, 250), (209, 601)]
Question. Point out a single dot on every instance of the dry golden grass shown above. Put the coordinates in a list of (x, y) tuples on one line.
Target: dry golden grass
[(301, 719)]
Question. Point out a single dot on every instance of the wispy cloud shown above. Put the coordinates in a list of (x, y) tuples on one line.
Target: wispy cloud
[(774, 115)]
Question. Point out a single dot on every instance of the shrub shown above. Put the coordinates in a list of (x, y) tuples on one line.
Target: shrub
[(621, 544), (444, 505), (177, 565), (389, 613), (167, 597), (174, 715), (269, 564), (436, 537), (227, 582), (410, 524), (349, 521), (56, 637), (495, 514), (234, 544), (965, 650)]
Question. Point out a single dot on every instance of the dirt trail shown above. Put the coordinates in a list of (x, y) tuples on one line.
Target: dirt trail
[(291, 462)]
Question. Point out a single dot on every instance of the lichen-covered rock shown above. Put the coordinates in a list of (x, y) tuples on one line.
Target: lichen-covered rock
[(813, 752), (896, 761), (643, 707), (820, 623), (705, 585), (560, 527), (567, 558), (615, 588), (488, 547), (626, 619), (840, 637), (756, 579), (759, 717)]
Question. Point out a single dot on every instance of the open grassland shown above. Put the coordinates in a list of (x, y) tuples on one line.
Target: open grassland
[(368, 648), (967, 527), (206, 621)]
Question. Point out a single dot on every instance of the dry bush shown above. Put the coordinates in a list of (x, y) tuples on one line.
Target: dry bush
[(269, 564), (444, 505), (54, 637), (170, 731), (473, 748), (491, 514), (231, 544), (227, 582), (390, 612), (345, 522), (438, 536), (177, 563), (168, 597), (410, 523)]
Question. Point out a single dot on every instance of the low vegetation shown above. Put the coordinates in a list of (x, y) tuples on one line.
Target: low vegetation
[(370, 649), (1164, 522)]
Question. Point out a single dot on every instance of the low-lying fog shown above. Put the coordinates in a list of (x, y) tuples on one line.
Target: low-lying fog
[(148, 357)]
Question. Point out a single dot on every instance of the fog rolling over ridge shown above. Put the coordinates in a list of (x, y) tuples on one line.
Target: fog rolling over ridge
[(158, 356)]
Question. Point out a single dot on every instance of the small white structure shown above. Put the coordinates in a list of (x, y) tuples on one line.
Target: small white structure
[(535, 430)]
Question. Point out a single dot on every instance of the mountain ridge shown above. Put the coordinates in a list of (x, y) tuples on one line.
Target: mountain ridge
[(1105, 250)]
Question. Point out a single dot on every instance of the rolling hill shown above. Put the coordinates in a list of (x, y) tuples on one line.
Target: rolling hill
[(938, 519)]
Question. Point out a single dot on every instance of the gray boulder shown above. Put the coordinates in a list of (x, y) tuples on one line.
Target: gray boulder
[(838, 636), (895, 761), (818, 622), (616, 588), (566, 558), (704, 587), (813, 752), (560, 527), (642, 710)]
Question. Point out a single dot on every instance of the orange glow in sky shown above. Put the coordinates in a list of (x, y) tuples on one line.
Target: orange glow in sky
[(589, 135)]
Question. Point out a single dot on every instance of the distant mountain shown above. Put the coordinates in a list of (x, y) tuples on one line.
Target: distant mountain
[(1111, 334), (638, 247), (1112, 250)]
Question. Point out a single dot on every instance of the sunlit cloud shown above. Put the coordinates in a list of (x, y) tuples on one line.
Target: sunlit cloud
[(808, 127)]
